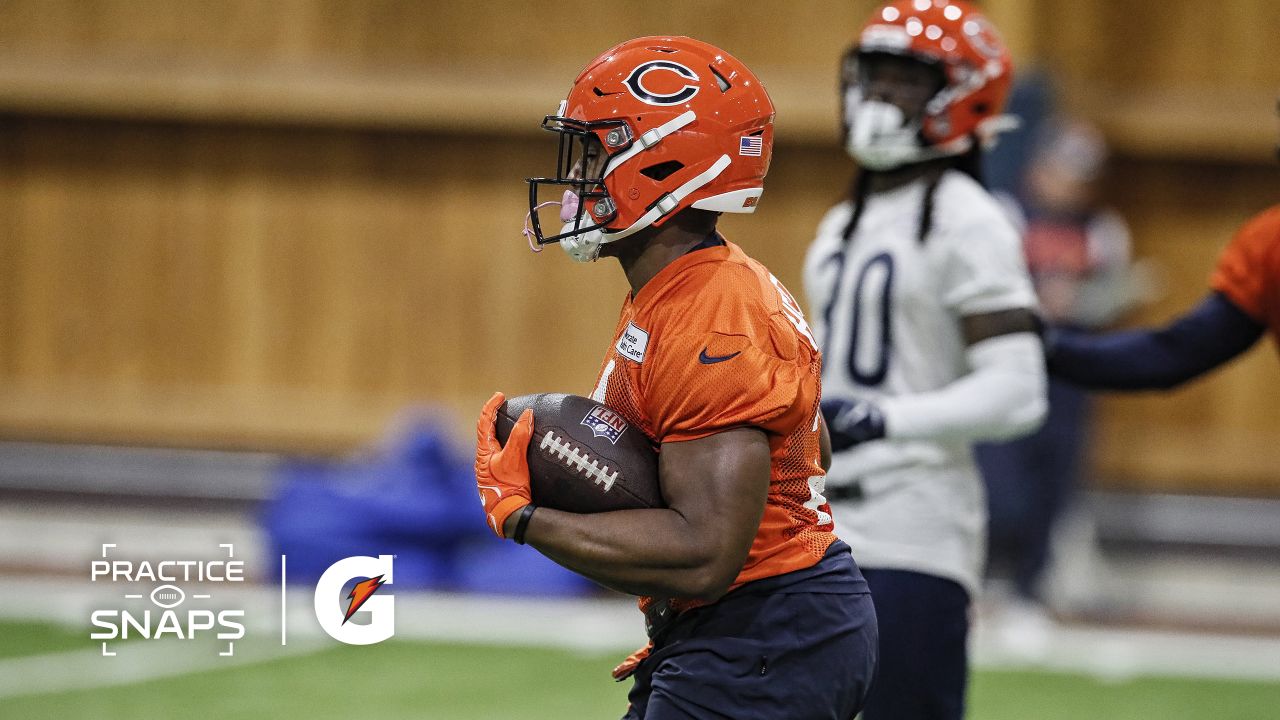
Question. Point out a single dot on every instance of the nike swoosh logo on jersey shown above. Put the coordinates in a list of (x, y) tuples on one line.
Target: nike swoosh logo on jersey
[(706, 359)]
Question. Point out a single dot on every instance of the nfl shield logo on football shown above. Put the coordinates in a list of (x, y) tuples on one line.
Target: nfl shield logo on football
[(605, 423)]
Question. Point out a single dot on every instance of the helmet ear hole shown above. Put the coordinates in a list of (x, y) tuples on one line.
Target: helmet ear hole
[(662, 170)]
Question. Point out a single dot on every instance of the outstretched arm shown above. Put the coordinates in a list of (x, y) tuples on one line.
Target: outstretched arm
[(1212, 333), (715, 489), (1001, 397)]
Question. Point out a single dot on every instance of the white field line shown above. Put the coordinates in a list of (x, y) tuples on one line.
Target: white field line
[(134, 662), (66, 540), (585, 625), (590, 626), (1117, 655)]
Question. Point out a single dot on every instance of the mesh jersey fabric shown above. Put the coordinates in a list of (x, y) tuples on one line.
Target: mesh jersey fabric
[(715, 342)]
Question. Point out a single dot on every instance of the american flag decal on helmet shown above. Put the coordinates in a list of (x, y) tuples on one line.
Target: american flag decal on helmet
[(752, 145)]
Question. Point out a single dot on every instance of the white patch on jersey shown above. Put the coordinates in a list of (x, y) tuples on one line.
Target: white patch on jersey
[(633, 343), (818, 483), (603, 385), (792, 310)]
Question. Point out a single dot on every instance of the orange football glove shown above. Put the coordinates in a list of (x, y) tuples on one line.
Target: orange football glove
[(502, 473), (628, 666)]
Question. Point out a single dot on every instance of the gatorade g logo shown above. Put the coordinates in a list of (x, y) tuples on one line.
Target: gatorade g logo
[(334, 609), (648, 87)]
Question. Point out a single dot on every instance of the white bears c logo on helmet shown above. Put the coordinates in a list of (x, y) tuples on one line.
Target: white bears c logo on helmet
[(635, 83)]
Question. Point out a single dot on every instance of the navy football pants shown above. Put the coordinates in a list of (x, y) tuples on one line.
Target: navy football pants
[(1030, 482), (780, 656), (924, 626)]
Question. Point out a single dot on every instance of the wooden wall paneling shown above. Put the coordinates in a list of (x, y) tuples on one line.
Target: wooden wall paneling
[(1167, 79), (397, 64), (1018, 23), (1154, 84), (253, 276), (9, 250), (503, 34), (318, 263), (1218, 432), (1150, 43), (306, 244)]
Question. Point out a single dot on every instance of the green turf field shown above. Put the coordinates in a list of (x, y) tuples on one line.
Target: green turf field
[(401, 679)]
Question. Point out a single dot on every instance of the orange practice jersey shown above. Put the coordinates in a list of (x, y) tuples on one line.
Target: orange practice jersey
[(714, 342), (1248, 272)]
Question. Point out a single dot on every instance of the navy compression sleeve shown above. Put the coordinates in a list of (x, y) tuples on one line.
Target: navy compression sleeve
[(1209, 335)]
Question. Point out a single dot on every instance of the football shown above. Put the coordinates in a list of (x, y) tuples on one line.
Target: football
[(583, 456)]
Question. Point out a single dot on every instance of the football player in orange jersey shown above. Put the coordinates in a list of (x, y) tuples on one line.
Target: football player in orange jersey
[(754, 609), (1242, 304)]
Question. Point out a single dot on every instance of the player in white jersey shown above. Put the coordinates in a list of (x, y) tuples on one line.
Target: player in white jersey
[(925, 314)]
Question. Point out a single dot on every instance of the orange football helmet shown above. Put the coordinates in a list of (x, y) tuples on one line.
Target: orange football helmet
[(680, 124), (952, 36)]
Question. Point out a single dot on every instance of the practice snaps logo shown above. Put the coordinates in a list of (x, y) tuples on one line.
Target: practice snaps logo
[(333, 614), (172, 613), (174, 600)]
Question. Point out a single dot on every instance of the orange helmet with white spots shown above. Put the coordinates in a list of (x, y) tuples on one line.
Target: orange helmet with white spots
[(957, 39)]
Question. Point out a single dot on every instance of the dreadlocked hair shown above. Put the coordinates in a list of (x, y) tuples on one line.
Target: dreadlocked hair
[(858, 190), (969, 163)]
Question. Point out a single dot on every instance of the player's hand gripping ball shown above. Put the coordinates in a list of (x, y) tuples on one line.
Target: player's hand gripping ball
[(581, 456), (502, 475)]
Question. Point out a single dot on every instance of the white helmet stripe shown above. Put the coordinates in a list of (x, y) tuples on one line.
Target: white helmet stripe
[(650, 138), (668, 202)]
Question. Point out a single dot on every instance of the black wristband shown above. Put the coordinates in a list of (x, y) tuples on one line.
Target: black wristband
[(522, 524)]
